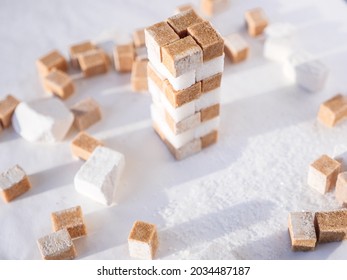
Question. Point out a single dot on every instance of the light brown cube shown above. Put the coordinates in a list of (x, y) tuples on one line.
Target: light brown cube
[(13, 183), (211, 7), (143, 240), (93, 62), (50, 61), (184, 8), (182, 56), (158, 79), (209, 139), (182, 21), (210, 112), (7, 107), (302, 231), (59, 83), (179, 97), (83, 145), (139, 81), (333, 110), (139, 38), (235, 47), (57, 246), (211, 43), (87, 112), (331, 226), (322, 174), (341, 189), (158, 36), (70, 219), (211, 83), (77, 49), (124, 56), (256, 21)]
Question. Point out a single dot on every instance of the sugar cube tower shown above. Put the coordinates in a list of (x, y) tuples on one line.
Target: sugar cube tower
[(186, 61)]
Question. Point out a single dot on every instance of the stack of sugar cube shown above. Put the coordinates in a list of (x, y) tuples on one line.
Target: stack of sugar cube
[(186, 61)]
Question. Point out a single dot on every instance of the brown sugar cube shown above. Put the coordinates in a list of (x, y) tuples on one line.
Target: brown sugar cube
[(333, 110), (182, 56), (78, 49), (179, 97), (70, 219), (57, 246), (93, 62), (143, 240), (139, 81), (87, 112), (154, 76), (331, 226), (322, 174), (139, 38), (183, 125), (211, 43), (59, 83), (124, 56), (7, 107), (182, 21), (211, 83), (158, 36), (52, 60), (256, 21), (183, 8), (235, 47), (302, 231), (83, 145), (209, 112), (13, 183), (209, 139), (211, 7), (341, 189)]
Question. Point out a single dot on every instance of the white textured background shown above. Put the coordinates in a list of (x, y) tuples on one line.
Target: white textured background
[(231, 200)]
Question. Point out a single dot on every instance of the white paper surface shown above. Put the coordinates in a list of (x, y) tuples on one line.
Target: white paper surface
[(232, 200)]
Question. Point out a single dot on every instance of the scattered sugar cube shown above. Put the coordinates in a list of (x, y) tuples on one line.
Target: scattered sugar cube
[(331, 226), (323, 173), (302, 231), (87, 112), (46, 120), (333, 110), (311, 75), (209, 112), (341, 189), (182, 21), (182, 56), (296, 58), (93, 62), (139, 76), (83, 145), (209, 139), (59, 83), (50, 61), (77, 49), (256, 21), (180, 97), (124, 56), (70, 219), (107, 46), (7, 108), (210, 68), (211, 83), (143, 240), (235, 47), (139, 38), (158, 36), (57, 246), (211, 43), (212, 7), (13, 183), (340, 154), (99, 176), (183, 8)]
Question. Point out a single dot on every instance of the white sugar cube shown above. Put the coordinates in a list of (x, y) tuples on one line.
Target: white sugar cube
[(99, 176), (207, 127), (296, 58), (311, 75), (210, 68), (208, 99), (46, 120)]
